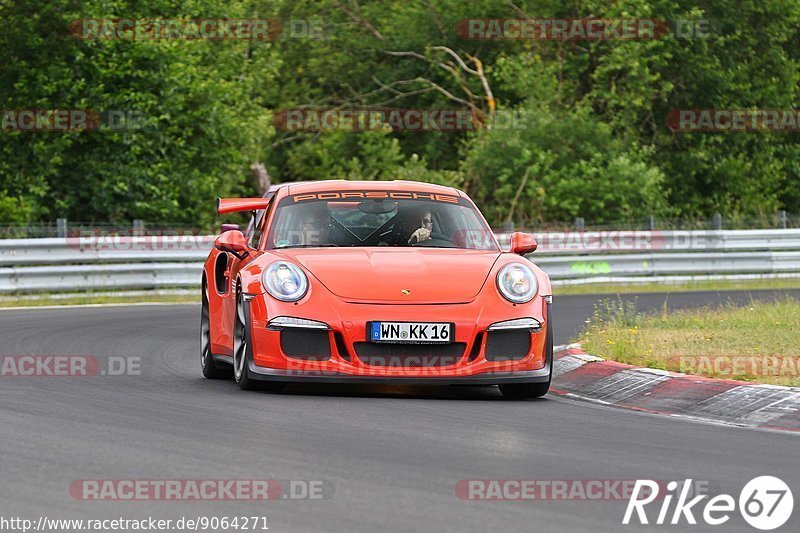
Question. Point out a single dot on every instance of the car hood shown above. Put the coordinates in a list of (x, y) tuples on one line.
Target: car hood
[(398, 275)]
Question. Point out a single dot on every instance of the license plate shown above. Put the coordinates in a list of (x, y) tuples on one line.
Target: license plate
[(411, 332)]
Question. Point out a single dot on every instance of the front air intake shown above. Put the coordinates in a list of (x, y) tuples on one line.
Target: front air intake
[(508, 345), (306, 344)]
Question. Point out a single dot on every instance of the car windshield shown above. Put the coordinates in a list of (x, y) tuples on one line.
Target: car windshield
[(377, 218)]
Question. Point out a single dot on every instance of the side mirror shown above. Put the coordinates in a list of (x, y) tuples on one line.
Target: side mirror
[(523, 243), (230, 227), (233, 242)]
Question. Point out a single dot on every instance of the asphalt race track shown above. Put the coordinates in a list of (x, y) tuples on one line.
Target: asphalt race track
[(389, 457)]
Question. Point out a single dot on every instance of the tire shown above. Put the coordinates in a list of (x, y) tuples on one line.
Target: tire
[(210, 368), (243, 350), (522, 391)]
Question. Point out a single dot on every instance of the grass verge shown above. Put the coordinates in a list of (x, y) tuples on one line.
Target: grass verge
[(757, 342), (89, 298)]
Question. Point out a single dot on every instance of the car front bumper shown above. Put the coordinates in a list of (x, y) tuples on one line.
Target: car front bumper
[(347, 340), (317, 376)]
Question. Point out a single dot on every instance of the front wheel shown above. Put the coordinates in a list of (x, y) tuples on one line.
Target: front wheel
[(207, 363), (242, 350), (521, 391)]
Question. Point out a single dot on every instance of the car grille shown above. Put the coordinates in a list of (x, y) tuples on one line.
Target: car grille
[(409, 355)]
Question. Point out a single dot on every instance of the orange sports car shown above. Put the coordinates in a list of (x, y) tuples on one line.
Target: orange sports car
[(373, 281)]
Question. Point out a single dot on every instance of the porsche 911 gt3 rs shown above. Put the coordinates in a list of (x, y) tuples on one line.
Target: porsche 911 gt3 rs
[(362, 282)]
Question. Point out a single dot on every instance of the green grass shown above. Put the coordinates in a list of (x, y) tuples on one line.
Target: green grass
[(756, 342), (708, 285)]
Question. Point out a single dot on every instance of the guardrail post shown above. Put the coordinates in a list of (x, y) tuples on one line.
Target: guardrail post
[(716, 222), (650, 223), (61, 228), (138, 226), (782, 223), (579, 223)]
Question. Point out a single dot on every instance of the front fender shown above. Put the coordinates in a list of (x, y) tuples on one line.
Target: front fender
[(545, 288), (250, 278)]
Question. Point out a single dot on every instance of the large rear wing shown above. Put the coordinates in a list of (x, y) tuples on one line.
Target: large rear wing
[(234, 205)]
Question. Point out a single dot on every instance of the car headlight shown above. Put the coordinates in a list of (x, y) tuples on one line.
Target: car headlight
[(517, 283), (285, 281)]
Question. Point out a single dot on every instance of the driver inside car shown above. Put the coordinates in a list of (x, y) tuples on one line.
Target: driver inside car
[(314, 226), (424, 231)]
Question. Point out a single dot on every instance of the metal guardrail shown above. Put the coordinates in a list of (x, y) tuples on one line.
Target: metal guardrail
[(93, 250), (154, 262), (632, 265), (628, 241), (67, 278)]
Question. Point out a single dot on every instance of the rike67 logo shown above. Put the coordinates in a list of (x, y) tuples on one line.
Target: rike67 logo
[(766, 503)]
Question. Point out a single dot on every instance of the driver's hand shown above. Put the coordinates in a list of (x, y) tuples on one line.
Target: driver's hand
[(422, 234)]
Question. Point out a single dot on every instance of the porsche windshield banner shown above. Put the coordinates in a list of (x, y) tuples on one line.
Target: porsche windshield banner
[(375, 195)]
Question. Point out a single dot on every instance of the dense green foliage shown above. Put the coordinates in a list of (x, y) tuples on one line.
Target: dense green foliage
[(593, 142)]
